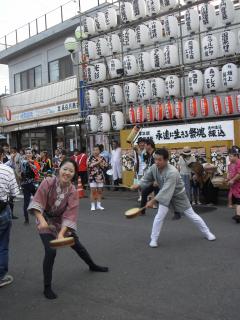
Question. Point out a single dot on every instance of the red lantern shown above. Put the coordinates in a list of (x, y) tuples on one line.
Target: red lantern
[(204, 106), (132, 114), (140, 114), (179, 109), (8, 114), (217, 105), (159, 111), (169, 111), (150, 113), (192, 107), (228, 104), (238, 103)]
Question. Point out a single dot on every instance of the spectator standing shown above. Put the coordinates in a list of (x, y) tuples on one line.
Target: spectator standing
[(139, 163), (56, 161), (116, 163), (6, 153), (107, 156), (82, 167)]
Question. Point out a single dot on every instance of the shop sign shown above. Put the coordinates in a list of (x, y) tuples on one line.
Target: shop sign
[(198, 132)]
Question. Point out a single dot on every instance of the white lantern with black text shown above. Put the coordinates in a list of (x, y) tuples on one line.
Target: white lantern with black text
[(195, 81), (89, 49), (129, 39), (100, 73), (171, 55), (156, 58), (130, 92), (170, 4), (228, 43), (89, 26), (100, 22), (130, 65), (158, 88), (139, 9), (144, 63), (117, 120), (153, 6), (104, 122), (114, 43), (92, 123), (208, 16), (189, 1), (192, 51), (212, 79), (104, 97), (102, 47), (90, 72), (155, 31), (144, 90), (126, 11), (111, 18), (226, 11), (192, 20), (172, 83), (116, 94), (142, 35), (114, 67), (230, 75), (171, 27), (210, 47), (91, 98)]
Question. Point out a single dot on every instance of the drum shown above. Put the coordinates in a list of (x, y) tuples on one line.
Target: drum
[(61, 243), (132, 213), (218, 182)]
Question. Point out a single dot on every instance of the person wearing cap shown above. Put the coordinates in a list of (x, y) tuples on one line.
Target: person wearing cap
[(234, 179)]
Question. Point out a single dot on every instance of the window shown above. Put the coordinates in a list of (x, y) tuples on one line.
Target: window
[(28, 79), (60, 69)]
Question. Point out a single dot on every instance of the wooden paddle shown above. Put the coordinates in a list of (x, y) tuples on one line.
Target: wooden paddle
[(134, 212)]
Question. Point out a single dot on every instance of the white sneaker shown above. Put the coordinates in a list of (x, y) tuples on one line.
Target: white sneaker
[(193, 203), (153, 244), (210, 236), (93, 208), (99, 206)]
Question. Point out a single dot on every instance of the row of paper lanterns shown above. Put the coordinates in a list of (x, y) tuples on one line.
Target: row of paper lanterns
[(138, 9), (104, 122)]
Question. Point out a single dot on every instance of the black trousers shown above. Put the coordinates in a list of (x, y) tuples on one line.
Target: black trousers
[(29, 190), (84, 178), (145, 194), (50, 255)]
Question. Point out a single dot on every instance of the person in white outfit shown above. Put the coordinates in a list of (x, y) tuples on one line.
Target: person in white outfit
[(116, 163), (172, 192)]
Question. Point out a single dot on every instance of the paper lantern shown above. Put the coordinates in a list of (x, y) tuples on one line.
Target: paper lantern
[(238, 103), (210, 47), (212, 79), (158, 88), (159, 111), (226, 11), (130, 92), (156, 58), (100, 22), (217, 105), (129, 39), (192, 107), (114, 66), (179, 109), (192, 20), (100, 73), (144, 63), (171, 55), (228, 105), (192, 51), (153, 7), (90, 74), (170, 4), (228, 43), (139, 9), (144, 90), (204, 107), (102, 47), (89, 49), (104, 97), (126, 11), (92, 123), (104, 122), (117, 120), (230, 75), (142, 35), (140, 114), (150, 113), (208, 15), (172, 85), (171, 27), (169, 110), (189, 1), (111, 18), (89, 26), (155, 31), (8, 114), (132, 114), (114, 43), (195, 81), (91, 98), (130, 65), (116, 94)]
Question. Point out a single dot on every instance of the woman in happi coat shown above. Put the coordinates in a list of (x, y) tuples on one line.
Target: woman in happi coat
[(55, 206)]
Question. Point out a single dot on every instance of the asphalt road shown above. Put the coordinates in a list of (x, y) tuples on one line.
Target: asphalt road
[(185, 278)]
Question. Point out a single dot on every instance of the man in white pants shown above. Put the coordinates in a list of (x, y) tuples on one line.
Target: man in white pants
[(172, 192)]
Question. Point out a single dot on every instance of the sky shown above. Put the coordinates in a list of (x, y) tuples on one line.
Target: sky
[(15, 13)]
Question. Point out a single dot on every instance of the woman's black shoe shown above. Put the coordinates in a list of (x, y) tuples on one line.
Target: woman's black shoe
[(97, 268)]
